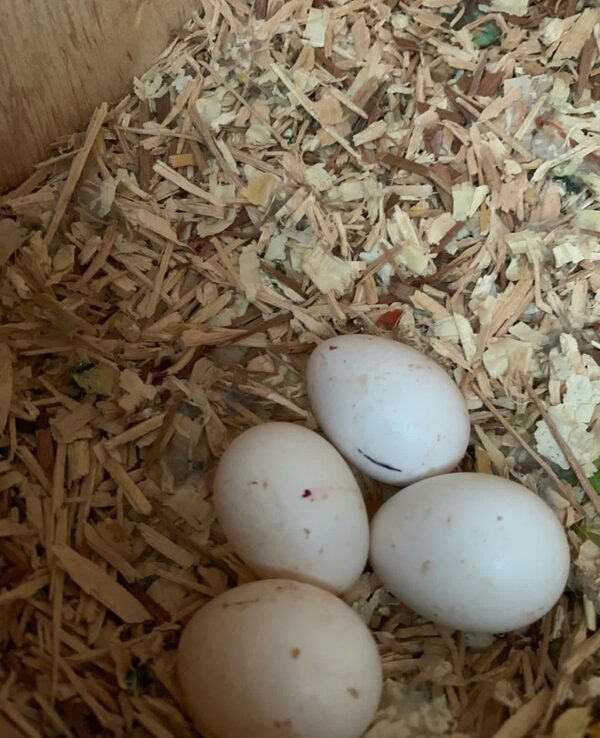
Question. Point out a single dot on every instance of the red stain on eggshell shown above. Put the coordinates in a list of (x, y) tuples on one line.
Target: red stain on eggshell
[(333, 348), (316, 494)]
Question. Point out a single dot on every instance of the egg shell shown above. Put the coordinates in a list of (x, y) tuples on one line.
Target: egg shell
[(474, 552), (390, 410), (291, 507), (279, 659)]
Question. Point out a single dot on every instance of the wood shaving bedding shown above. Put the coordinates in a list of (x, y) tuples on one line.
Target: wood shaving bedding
[(288, 171)]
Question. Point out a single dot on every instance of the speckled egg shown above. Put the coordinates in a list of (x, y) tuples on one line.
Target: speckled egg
[(279, 659), (390, 410), (474, 552), (291, 507)]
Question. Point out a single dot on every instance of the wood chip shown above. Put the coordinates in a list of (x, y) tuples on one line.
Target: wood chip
[(137, 499), (526, 718), (25, 590), (99, 585), (6, 384), (76, 169), (166, 547)]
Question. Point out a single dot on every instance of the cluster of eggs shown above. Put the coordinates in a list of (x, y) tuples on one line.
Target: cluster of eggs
[(285, 657)]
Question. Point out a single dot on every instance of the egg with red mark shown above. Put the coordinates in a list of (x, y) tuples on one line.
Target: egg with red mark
[(389, 409), (473, 552), (290, 507), (279, 659)]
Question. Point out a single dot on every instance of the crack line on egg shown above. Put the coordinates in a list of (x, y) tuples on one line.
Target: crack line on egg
[(379, 463)]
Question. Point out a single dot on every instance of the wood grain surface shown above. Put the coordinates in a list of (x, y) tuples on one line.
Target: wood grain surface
[(60, 58)]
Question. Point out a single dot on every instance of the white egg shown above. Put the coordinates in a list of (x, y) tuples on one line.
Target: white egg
[(279, 659), (474, 552), (291, 507), (390, 410)]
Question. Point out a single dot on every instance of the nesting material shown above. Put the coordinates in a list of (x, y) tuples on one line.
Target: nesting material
[(285, 172)]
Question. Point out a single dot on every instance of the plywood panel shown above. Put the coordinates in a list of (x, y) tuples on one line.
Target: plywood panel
[(60, 58)]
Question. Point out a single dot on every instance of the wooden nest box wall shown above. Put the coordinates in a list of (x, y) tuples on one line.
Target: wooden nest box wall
[(59, 59)]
